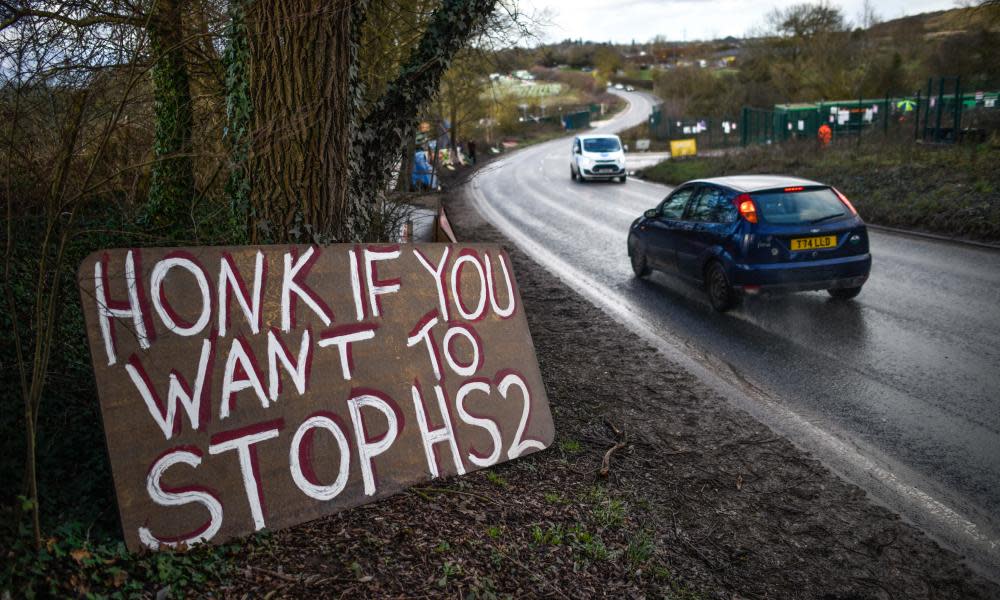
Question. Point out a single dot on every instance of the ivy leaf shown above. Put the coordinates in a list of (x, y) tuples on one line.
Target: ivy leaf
[(79, 555)]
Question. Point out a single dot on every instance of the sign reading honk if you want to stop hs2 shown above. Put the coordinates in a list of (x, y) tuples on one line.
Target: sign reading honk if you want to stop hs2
[(263, 386)]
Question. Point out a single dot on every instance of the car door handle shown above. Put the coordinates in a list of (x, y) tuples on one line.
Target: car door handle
[(687, 226)]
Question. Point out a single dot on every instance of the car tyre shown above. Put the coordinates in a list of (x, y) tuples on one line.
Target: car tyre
[(845, 293), (623, 179), (572, 173), (639, 265), (721, 294)]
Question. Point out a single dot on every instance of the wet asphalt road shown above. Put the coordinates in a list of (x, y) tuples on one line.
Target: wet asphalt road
[(899, 390)]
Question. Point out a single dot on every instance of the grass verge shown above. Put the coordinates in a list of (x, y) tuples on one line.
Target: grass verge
[(951, 190)]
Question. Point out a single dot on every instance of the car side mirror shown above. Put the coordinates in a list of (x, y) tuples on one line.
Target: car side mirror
[(650, 214), (577, 151)]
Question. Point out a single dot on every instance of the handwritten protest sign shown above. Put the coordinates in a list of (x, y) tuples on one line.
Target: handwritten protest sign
[(252, 387)]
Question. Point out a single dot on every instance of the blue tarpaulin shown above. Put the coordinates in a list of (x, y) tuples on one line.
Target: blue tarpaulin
[(423, 174)]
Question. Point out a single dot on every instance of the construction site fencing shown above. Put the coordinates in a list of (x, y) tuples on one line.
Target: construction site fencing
[(941, 113)]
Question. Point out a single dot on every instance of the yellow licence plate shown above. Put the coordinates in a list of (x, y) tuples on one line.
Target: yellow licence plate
[(814, 243)]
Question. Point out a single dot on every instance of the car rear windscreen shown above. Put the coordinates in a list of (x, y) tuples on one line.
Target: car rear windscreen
[(803, 207), (601, 145)]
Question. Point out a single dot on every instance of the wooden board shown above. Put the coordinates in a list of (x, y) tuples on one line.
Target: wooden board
[(252, 387)]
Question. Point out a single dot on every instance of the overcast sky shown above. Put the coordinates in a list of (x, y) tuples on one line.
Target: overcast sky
[(624, 20)]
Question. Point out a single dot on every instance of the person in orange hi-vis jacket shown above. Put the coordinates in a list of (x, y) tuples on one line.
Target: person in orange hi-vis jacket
[(825, 134)]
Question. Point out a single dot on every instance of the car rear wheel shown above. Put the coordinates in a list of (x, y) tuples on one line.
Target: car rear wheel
[(845, 293), (720, 293), (639, 265)]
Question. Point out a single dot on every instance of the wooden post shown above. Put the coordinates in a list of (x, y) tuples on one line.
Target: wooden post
[(927, 113), (958, 109), (861, 121), (885, 116), (940, 110)]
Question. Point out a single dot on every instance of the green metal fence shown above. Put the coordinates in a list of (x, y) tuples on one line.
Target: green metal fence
[(942, 113), (708, 132), (802, 121)]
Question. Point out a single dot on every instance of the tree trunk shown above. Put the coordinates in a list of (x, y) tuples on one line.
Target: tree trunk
[(453, 135), (299, 73), (317, 163), (406, 164), (172, 179)]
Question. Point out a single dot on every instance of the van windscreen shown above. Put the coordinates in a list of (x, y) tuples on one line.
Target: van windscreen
[(601, 145)]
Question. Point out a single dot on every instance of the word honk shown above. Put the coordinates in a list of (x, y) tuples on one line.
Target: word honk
[(263, 386)]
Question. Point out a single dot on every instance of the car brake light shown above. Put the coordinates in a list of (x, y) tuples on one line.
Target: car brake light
[(747, 209), (846, 202), (798, 188)]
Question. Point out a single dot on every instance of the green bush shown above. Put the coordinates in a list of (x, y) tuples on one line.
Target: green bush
[(82, 551), (70, 563)]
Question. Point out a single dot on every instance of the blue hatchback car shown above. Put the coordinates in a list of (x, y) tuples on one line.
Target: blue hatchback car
[(752, 234)]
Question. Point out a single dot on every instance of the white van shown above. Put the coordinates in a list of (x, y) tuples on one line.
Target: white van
[(597, 157)]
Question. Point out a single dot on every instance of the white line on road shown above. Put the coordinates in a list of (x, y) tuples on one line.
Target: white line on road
[(885, 479), (839, 455)]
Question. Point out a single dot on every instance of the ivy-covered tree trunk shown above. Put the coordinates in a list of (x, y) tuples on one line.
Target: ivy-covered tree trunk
[(316, 161), (172, 179), (238, 122), (298, 86), (379, 138)]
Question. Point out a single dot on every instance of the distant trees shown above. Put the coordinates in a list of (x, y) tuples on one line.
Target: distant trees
[(810, 52), (460, 99), (607, 61), (154, 31), (695, 91), (972, 55), (813, 50), (806, 21)]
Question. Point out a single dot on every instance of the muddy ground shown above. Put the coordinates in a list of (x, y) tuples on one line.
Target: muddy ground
[(700, 500)]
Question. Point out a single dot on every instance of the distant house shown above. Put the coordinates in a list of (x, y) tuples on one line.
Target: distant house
[(639, 61)]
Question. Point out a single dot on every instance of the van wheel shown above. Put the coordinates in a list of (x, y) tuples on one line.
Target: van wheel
[(572, 174), (639, 265), (845, 293), (720, 293)]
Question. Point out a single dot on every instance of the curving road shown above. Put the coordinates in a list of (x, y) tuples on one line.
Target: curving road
[(898, 391)]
